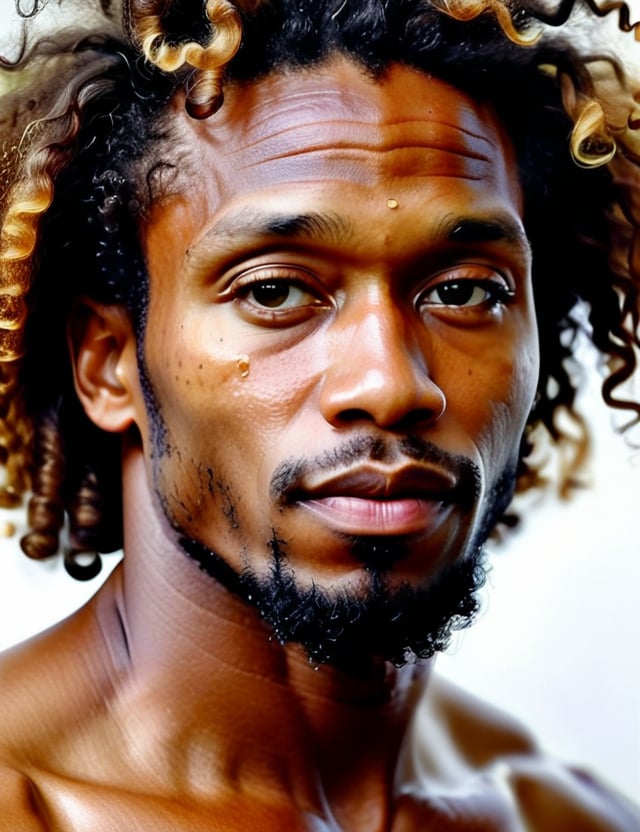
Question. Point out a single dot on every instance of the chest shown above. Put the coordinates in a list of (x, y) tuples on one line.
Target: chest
[(66, 806)]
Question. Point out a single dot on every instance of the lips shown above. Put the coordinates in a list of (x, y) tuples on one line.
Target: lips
[(379, 501)]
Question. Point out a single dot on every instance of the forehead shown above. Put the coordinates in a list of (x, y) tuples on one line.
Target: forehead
[(335, 122)]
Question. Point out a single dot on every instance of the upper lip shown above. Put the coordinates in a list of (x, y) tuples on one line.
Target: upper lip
[(382, 483)]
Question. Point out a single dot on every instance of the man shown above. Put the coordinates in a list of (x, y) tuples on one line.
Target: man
[(317, 264)]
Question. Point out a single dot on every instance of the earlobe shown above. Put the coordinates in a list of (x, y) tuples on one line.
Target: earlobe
[(103, 349)]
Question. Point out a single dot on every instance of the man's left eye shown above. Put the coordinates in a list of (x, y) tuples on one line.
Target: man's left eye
[(466, 293), (277, 294)]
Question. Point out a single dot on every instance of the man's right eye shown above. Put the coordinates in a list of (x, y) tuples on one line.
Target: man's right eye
[(277, 294)]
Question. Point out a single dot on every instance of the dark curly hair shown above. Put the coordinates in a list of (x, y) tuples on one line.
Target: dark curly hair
[(86, 150)]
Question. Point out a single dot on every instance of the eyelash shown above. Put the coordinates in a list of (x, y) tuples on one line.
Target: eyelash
[(290, 308), (276, 274), (277, 277), (277, 283), (498, 293)]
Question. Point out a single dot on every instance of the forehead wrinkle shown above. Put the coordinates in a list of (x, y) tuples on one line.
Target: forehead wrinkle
[(347, 100), (406, 135), (348, 151), (352, 104)]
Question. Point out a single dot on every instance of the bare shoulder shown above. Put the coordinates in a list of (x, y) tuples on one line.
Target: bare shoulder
[(21, 733), (18, 803), (23, 702), (46, 690), (462, 741), (48, 682)]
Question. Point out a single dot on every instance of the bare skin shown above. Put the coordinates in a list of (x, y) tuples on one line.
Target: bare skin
[(165, 704)]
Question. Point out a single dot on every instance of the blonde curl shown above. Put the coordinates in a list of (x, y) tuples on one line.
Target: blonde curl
[(466, 10), (19, 239), (43, 151), (591, 143), (204, 89)]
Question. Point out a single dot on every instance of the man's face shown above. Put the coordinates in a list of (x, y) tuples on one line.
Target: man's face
[(340, 339)]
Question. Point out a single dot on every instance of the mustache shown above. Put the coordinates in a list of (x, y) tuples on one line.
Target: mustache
[(287, 479)]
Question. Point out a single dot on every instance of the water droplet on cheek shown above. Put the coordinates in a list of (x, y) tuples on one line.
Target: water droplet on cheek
[(244, 365)]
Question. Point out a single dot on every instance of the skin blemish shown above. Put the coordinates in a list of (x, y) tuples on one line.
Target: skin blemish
[(392, 203), (244, 365)]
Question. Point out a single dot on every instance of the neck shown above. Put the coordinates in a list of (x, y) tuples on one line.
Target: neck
[(238, 698)]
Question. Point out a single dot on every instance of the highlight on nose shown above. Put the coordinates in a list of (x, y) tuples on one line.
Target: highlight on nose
[(390, 396)]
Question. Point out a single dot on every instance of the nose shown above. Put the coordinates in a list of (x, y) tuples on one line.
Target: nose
[(378, 372)]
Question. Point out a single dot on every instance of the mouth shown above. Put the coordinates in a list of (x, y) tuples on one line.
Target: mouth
[(362, 516), (377, 501)]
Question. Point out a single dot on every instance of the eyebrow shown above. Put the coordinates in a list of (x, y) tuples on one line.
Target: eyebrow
[(326, 227), (469, 230), (331, 228)]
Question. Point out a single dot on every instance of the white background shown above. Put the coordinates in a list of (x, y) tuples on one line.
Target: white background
[(557, 643)]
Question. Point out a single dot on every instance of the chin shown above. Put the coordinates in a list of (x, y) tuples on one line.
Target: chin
[(377, 616)]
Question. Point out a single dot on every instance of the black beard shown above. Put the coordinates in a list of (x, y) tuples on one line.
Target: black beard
[(349, 627), (375, 617)]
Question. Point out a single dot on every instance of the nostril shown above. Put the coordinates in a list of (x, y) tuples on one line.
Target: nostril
[(418, 416), (354, 414)]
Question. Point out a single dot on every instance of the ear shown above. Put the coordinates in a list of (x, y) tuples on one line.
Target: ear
[(105, 369)]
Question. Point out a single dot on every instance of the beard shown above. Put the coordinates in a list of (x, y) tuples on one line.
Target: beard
[(351, 626), (377, 617)]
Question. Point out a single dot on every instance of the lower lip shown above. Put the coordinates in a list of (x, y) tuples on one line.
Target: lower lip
[(357, 515)]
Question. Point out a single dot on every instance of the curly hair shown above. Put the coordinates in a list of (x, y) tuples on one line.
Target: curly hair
[(85, 150)]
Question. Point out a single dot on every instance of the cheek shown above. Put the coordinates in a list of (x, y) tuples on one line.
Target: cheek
[(490, 392), (281, 391), (231, 409), (509, 393), (215, 367)]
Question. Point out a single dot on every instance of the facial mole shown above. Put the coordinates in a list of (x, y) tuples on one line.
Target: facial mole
[(243, 364)]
